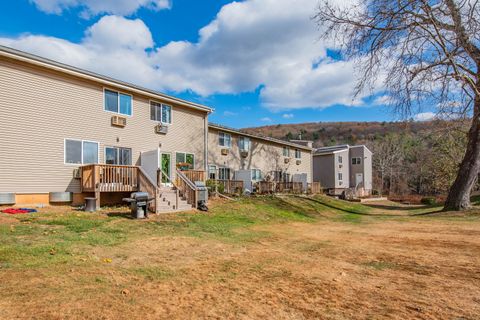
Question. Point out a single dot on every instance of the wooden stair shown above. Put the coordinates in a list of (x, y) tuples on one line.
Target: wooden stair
[(167, 201)]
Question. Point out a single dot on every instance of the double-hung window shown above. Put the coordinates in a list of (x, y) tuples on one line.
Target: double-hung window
[(244, 143), (187, 158), (224, 139), (340, 159), (118, 156), (298, 154), (357, 160), (286, 151), (118, 102), (160, 112), (256, 175), (340, 176), (81, 152), (223, 173)]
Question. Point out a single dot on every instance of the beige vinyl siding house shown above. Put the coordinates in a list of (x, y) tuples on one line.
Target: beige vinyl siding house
[(231, 151), (48, 110)]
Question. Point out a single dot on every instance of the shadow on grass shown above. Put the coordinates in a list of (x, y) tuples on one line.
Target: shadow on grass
[(120, 214), (352, 211), (393, 208)]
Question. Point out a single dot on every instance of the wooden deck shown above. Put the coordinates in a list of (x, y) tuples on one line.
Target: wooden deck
[(102, 178)]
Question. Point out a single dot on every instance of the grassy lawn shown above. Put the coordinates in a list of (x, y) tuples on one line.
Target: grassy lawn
[(286, 257)]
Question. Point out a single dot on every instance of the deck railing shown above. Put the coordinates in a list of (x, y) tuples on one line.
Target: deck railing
[(231, 186), (195, 175), (314, 188), (187, 188), (265, 187), (109, 178)]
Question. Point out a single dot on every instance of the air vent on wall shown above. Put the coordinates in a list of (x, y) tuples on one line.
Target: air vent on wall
[(225, 152), (287, 160), (299, 162)]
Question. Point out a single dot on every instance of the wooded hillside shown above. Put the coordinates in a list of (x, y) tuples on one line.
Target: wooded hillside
[(419, 158)]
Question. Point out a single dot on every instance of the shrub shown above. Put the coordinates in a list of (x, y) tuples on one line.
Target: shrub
[(428, 200), (211, 186)]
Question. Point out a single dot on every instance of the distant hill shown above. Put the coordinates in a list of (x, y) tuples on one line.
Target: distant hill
[(332, 133)]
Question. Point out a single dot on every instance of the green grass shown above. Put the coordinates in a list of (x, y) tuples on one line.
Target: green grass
[(47, 239)]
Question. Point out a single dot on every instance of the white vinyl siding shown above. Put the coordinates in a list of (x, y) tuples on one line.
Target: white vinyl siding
[(80, 152)]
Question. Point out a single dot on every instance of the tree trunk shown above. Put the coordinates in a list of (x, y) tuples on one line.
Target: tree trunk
[(459, 194)]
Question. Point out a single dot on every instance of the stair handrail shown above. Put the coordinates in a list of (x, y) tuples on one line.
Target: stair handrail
[(193, 188), (150, 181), (160, 175)]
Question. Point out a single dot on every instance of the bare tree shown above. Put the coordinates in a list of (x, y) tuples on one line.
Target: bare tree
[(424, 52)]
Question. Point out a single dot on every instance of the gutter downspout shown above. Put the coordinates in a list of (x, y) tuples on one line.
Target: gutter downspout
[(205, 121)]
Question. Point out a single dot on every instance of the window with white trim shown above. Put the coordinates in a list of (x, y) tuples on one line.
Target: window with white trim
[(188, 159), (286, 151), (340, 176), (160, 112), (212, 172), (340, 159), (298, 154), (244, 143), (223, 173), (256, 175), (118, 156), (118, 102), (357, 160), (81, 152), (224, 139)]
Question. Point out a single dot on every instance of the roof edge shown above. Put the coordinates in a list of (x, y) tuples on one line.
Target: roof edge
[(278, 141), (89, 75)]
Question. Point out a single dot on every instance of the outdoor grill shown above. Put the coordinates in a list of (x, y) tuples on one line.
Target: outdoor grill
[(202, 195), (138, 204)]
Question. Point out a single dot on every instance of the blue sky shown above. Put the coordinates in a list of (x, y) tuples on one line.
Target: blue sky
[(257, 62)]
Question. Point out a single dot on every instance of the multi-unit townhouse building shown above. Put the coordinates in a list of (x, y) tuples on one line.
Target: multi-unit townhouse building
[(236, 155), (342, 167), (67, 134)]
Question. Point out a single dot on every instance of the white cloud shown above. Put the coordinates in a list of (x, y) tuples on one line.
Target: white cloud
[(382, 100), (287, 116), (267, 44), (266, 119), (230, 114), (424, 116), (95, 7)]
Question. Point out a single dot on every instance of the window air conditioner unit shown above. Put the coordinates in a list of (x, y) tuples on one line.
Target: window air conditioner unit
[(119, 121), (299, 162), (286, 160), (224, 152), (244, 153), (161, 129), (340, 166)]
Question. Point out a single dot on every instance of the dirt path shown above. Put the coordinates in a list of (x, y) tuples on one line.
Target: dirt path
[(418, 268)]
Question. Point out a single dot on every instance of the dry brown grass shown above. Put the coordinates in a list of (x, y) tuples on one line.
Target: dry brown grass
[(376, 268)]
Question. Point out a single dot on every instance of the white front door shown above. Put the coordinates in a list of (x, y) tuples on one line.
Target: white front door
[(358, 179)]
